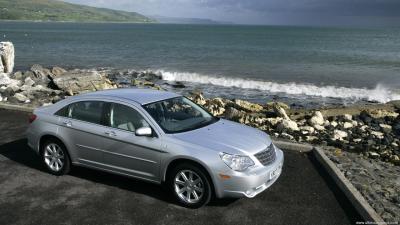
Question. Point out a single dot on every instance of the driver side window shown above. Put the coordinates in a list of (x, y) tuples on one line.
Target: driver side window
[(126, 118)]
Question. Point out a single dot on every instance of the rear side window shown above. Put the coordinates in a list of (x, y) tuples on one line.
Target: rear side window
[(62, 112), (88, 111)]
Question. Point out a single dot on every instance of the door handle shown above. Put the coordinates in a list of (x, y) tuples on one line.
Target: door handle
[(67, 123), (110, 133)]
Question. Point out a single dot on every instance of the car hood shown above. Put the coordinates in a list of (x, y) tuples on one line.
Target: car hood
[(227, 136)]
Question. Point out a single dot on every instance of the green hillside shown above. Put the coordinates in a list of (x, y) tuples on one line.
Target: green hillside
[(52, 10)]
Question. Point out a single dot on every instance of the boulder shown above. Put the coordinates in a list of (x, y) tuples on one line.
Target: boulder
[(347, 117), (317, 119), (4, 79), (29, 82), (57, 71), (82, 81), (233, 114), (149, 76), (381, 113), (198, 98), (178, 84), (339, 134), (272, 105), (378, 134), (373, 155), (215, 106), (274, 121), (334, 124), (311, 138), (20, 97), (347, 125), (279, 110), (286, 124), (7, 56), (386, 128), (40, 74), (395, 159), (17, 75), (248, 106), (308, 129), (319, 127)]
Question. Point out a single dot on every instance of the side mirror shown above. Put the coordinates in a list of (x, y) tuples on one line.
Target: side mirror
[(144, 131)]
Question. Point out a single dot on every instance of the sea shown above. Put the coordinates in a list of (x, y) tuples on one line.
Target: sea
[(303, 66)]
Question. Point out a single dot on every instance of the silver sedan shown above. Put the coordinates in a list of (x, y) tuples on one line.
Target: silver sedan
[(157, 136)]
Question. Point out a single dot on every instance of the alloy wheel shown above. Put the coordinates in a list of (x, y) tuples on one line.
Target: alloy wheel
[(54, 157), (189, 186)]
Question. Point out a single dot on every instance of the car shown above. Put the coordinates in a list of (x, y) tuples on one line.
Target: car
[(157, 136)]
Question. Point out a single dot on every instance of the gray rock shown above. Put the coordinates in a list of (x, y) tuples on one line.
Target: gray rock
[(7, 56), (317, 119), (347, 125), (233, 114), (82, 81), (373, 155), (29, 82), (286, 124), (339, 134), (20, 97), (386, 128), (178, 84), (198, 98), (17, 75), (348, 117), (280, 110), (40, 74), (4, 79), (215, 106), (248, 106), (57, 71)]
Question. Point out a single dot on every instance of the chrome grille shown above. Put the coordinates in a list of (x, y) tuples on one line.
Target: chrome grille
[(266, 156)]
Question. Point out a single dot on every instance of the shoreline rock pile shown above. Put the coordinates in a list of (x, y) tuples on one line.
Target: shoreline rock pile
[(373, 133)]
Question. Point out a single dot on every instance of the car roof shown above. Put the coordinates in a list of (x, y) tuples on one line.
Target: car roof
[(140, 95)]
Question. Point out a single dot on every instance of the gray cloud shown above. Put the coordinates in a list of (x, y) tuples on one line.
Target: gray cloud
[(313, 12)]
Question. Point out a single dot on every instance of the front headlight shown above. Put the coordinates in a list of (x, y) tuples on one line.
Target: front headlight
[(236, 162)]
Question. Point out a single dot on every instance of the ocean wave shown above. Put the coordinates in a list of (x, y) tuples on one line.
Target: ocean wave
[(380, 93)]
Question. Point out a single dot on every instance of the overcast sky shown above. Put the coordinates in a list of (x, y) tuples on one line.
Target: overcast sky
[(276, 12)]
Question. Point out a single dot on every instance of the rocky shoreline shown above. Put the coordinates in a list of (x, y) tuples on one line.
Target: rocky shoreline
[(357, 134)]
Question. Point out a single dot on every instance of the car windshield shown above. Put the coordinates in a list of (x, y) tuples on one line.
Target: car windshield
[(179, 114)]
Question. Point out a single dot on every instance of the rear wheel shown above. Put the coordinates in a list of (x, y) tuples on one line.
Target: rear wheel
[(55, 157), (190, 185)]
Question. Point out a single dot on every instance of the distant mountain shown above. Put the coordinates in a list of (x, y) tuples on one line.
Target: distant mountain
[(164, 19), (53, 10)]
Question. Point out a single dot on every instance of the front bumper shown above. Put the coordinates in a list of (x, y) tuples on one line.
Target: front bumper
[(250, 183)]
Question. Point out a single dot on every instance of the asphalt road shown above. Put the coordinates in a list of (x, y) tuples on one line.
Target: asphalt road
[(304, 194)]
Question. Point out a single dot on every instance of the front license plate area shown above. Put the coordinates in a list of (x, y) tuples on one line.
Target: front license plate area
[(275, 172)]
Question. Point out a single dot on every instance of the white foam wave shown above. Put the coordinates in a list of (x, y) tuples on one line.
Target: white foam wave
[(380, 93)]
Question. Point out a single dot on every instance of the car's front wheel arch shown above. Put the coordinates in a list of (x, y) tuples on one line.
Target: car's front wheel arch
[(183, 161)]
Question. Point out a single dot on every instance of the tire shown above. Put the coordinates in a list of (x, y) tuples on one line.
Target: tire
[(192, 190), (55, 157)]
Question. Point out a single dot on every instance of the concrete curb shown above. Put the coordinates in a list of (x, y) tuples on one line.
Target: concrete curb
[(16, 107), (357, 200)]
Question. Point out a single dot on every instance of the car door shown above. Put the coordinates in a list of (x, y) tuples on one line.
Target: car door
[(127, 153), (81, 126)]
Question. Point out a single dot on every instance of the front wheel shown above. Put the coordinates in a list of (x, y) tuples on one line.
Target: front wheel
[(55, 157), (190, 185)]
